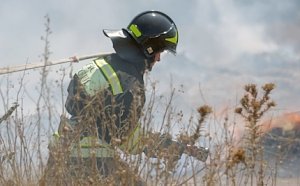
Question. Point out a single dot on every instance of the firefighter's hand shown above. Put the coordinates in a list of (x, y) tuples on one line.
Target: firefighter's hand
[(74, 59), (199, 153), (162, 145)]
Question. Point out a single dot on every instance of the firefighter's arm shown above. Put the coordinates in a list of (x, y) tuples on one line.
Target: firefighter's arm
[(133, 144), (139, 141), (156, 144), (163, 143)]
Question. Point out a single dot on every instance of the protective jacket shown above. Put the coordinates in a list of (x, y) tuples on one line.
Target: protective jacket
[(109, 91)]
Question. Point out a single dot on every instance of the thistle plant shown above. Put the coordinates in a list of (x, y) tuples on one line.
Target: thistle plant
[(252, 108)]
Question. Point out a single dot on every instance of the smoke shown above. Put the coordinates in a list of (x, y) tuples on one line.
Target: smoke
[(287, 122), (280, 137)]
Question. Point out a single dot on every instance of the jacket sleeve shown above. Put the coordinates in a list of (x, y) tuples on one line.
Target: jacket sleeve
[(76, 97), (133, 143), (129, 113)]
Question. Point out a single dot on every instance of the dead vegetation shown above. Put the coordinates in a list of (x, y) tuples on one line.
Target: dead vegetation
[(24, 142)]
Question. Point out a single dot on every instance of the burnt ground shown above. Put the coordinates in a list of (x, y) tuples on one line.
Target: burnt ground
[(282, 151)]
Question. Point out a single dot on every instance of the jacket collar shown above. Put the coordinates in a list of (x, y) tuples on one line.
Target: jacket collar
[(127, 48)]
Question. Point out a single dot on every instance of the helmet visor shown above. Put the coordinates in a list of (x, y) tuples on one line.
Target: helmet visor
[(166, 41), (170, 39)]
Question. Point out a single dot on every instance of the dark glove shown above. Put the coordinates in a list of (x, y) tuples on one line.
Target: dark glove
[(199, 153)]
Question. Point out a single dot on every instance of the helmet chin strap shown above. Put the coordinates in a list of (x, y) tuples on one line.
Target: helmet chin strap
[(150, 57), (148, 63)]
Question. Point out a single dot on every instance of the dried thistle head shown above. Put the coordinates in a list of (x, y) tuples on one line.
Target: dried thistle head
[(256, 105), (245, 101), (184, 138), (251, 88), (268, 87), (238, 110), (271, 104), (204, 110), (236, 156)]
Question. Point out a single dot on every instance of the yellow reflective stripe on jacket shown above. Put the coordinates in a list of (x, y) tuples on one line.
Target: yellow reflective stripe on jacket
[(92, 146), (89, 141), (133, 145), (110, 75), (92, 152)]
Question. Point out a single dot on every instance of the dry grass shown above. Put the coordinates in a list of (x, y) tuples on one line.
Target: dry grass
[(24, 138)]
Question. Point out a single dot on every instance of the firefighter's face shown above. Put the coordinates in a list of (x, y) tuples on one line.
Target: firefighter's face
[(156, 59)]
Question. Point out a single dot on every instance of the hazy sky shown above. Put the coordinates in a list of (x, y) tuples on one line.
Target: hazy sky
[(223, 45)]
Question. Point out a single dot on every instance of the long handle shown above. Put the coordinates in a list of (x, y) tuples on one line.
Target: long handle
[(7, 70), (9, 112)]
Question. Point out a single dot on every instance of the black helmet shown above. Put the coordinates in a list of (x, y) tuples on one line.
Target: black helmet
[(154, 31)]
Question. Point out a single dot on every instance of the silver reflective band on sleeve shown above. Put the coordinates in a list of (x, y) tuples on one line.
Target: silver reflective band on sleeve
[(110, 75)]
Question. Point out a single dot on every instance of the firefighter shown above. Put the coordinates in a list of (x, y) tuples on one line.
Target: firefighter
[(105, 101), (106, 97)]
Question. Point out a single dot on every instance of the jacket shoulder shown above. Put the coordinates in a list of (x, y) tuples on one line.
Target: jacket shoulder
[(91, 78)]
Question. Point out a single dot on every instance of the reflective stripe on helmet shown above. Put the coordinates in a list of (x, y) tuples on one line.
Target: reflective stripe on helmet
[(173, 39), (135, 30), (111, 76)]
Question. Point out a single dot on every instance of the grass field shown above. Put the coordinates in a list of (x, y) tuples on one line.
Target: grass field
[(235, 158)]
